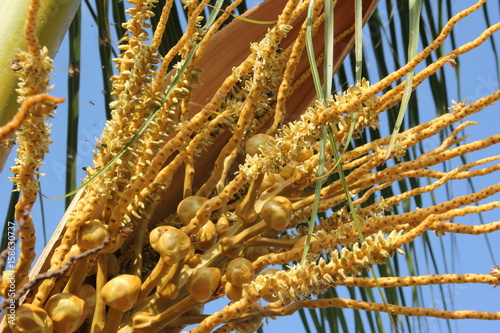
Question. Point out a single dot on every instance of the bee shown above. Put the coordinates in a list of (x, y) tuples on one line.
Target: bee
[(104, 41), (89, 167), (73, 70), (101, 145), (15, 65)]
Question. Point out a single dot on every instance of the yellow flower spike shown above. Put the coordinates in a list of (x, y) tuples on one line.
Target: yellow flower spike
[(31, 319), (28, 102), (229, 312), (239, 272), (120, 294), (88, 294), (284, 89), (188, 207), (277, 212), (67, 312), (203, 283), (407, 281)]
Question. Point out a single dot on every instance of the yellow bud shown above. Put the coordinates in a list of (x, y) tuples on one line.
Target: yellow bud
[(304, 154), (91, 235), (29, 318), (248, 325), (253, 252), (203, 283), (287, 171), (8, 278), (171, 243), (155, 234), (188, 207), (205, 237), (240, 271), (222, 225), (277, 212), (112, 264), (269, 180), (88, 294), (121, 292), (232, 292), (252, 146), (67, 312)]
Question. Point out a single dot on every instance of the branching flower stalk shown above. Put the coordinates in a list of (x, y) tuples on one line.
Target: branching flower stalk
[(33, 68), (216, 188)]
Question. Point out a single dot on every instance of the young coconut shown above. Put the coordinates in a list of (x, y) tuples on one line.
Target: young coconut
[(120, 294), (277, 212), (30, 319), (240, 271), (67, 312), (173, 245), (88, 294), (253, 144), (249, 324), (91, 235), (203, 283), (188, 207), (232, 292), (206, 237)]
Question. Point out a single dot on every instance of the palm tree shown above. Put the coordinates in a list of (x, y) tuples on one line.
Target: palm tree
[(387, 38)]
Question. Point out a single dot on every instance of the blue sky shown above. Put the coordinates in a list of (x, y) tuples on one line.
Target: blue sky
[(464, 254)]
